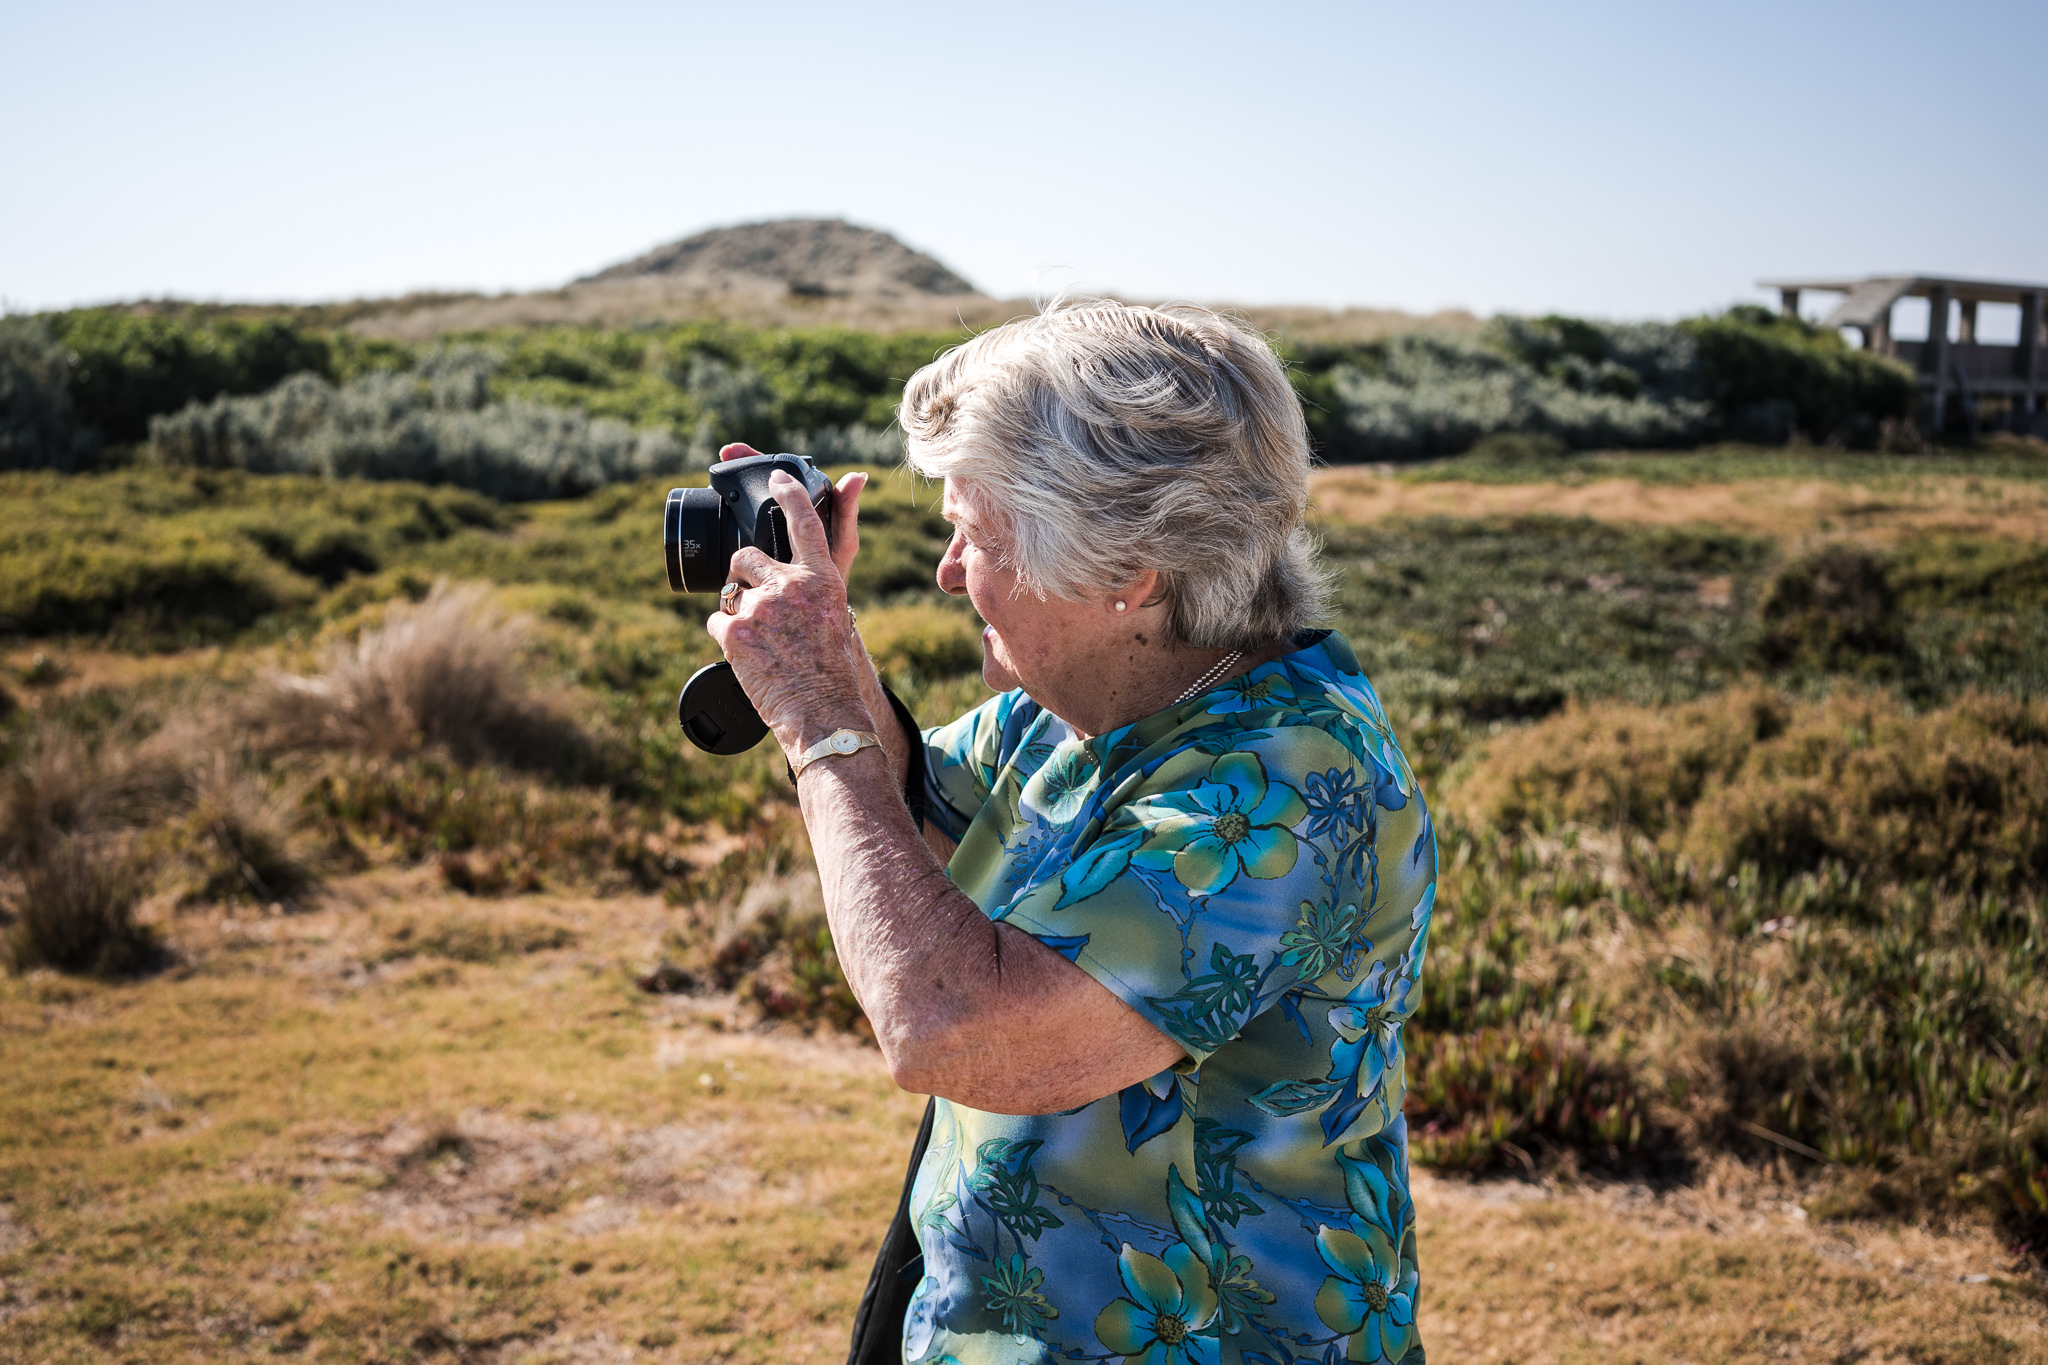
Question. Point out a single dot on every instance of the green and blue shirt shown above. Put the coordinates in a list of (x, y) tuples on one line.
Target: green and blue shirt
[(1251, 870)]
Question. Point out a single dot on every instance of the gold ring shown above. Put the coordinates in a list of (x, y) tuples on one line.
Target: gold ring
[(729, 599)]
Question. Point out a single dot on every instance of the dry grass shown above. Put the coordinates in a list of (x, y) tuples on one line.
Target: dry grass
[(1786, 508), (300, 1143), (76, 911), (64, 785), (68, 816), (448, 672), (1732, 1270)]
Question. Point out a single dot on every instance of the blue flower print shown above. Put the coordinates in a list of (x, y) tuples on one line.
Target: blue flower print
[(1171, 1303), (1370, 1294), (1369, 1029), (1060, 789), (1255, 691), (1337, 803), (1235, 822), (1324, 936), (1014, 1294)]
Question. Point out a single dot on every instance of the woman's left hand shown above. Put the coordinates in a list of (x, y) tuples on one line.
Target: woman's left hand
[(791, 642)]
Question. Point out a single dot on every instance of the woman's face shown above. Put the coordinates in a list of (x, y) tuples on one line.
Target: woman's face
[(1024, 635)]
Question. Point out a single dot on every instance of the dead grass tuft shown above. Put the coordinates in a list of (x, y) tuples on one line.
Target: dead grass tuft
[(247, 845), (63, 785), (764, 940), (76, 911), (448, 672)]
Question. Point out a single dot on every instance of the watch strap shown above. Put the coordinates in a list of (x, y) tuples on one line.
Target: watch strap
[(838, 744)]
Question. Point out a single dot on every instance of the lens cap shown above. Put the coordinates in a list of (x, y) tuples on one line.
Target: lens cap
[(715, 712)]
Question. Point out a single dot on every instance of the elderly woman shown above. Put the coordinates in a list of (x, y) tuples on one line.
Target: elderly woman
[(1154, 945)]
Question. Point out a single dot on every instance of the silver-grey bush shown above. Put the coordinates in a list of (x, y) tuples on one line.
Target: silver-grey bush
[(434, 423)]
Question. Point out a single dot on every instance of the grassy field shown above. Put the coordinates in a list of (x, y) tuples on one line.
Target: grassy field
[(433, 1002)]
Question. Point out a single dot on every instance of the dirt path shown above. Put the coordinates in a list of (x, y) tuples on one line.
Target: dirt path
[(1780, 507)]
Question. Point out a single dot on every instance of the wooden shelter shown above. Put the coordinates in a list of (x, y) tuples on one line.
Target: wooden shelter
[(1966, 369)]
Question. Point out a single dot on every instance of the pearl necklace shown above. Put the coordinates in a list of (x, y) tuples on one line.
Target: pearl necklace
[(1223, 665)]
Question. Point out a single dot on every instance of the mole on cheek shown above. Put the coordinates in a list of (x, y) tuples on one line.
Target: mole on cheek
[(1142, 640)]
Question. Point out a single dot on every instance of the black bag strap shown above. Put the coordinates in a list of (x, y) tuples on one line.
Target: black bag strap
[(899, 1266), (913, 776)]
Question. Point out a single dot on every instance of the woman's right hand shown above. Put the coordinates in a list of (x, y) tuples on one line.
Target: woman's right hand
[(845, 538), (845, 525)]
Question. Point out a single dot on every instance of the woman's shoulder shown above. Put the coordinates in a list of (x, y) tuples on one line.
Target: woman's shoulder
[(1305, 710)]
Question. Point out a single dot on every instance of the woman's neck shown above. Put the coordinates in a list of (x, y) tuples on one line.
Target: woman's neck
[(1139, 680)]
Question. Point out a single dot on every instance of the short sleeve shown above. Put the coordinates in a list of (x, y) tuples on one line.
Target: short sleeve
[(1198, 897), (961, 761)]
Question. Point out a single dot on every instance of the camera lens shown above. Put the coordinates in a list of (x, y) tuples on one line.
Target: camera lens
[(696, 535)]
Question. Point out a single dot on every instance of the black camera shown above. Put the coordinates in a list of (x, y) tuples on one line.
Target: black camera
[(702, 528), (705, 527)]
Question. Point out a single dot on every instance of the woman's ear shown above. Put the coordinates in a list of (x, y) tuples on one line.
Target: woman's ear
[(1142, 591)]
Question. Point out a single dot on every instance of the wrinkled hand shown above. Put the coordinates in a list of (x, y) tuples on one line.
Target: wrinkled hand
[(791, 643)]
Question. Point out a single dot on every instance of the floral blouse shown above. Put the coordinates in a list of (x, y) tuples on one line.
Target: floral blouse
[(1252, 871)]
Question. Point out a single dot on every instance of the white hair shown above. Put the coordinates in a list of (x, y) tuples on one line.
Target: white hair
[(1108, 439)]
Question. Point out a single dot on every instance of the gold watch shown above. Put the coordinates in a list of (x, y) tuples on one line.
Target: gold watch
[(838, 744)]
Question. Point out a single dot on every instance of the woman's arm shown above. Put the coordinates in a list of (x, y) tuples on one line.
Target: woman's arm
[(962, 1007)]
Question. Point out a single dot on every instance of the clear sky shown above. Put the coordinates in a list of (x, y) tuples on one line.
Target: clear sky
[(1623, 160)]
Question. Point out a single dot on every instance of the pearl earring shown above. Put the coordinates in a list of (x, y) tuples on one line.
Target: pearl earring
[(1119, 606)]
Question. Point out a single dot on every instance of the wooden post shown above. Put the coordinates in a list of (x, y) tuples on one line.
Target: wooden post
[(1788, 302), (2029, 358), (1966, 333), (1935, 355), (1879, 337)]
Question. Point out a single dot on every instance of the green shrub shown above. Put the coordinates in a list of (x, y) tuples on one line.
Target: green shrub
[(1510, 617), (1890, 1029), (1484, 1100), (1520, 448), (826, 392), (1832, 608), (428, 806), (36, 427), (161, 557), (930, 641), (126, 369), (1771, 377), (1955, 797), (1743, 375), (1426, 395)]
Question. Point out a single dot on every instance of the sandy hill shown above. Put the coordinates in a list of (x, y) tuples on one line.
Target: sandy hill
[(789, 272), (808, 257)]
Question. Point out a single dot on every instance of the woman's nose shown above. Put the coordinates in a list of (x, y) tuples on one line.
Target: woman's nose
[(952, 573)]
